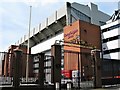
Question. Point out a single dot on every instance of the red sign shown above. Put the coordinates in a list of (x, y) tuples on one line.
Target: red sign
[(67, 73)]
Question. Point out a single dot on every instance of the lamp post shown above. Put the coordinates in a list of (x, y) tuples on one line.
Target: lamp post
[(28, 47), (78, 71), (78, 39)]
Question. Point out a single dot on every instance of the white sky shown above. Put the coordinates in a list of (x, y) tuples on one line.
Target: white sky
[(14, 15)]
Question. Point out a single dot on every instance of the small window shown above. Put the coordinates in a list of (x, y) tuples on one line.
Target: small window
[(85, 30)]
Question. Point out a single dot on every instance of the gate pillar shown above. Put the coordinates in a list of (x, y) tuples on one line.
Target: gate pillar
[(41, 70), (17, 67), (97, 68), (56, 64)]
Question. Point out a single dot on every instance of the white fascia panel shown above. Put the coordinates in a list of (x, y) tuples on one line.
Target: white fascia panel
[(110, 33), (31, 33), (110, 24), (111, 56), (110, 45), (107, 56), (61, 12), (43, 24), (52, 19), (46, 45), (36, 29)]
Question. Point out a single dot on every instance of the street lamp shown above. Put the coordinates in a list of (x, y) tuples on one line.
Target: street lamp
[(78, 39)]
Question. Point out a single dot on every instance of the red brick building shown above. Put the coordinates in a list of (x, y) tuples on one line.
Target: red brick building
[(80, 38)]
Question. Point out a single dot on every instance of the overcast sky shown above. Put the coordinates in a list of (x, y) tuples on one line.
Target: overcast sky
[(14, 15)]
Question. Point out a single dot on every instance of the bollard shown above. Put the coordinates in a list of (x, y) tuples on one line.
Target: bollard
[(57, 85), (68, 86)]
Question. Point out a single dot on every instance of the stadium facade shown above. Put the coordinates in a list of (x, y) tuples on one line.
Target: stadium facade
[(52, 29)]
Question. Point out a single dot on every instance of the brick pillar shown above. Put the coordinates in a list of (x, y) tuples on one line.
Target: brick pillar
[(56, 64), (3, 62), (41, 70), (17, 67), (6, 65), (97, 68)]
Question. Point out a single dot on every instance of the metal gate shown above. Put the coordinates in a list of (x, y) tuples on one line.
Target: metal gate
[(82, 67), (6, 69)]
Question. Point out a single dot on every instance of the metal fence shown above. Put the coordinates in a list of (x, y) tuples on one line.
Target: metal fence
[(7, 67), (110, 72), (33, 68), (75, 61), (6, 64), (47, 67), (6, 80)]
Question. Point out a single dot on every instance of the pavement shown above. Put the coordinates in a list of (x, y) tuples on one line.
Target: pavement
[(110, 87)]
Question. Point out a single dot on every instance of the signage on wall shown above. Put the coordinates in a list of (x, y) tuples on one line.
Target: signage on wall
[(76, 40), (71, 34), (81, 43)]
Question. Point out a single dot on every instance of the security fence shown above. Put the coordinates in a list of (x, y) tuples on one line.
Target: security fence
[(47, 67), (6, 68), (85, 69), (110, 68), (43, 69), (110, 72), (6, 80)]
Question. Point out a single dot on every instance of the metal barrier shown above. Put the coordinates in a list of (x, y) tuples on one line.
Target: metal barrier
[(80, 61), (6, 80), (7, 63), (110, 72), (48, 68)]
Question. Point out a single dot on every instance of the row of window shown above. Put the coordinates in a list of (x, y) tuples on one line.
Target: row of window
[(111, 38), (111, 51), (111, 28)]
